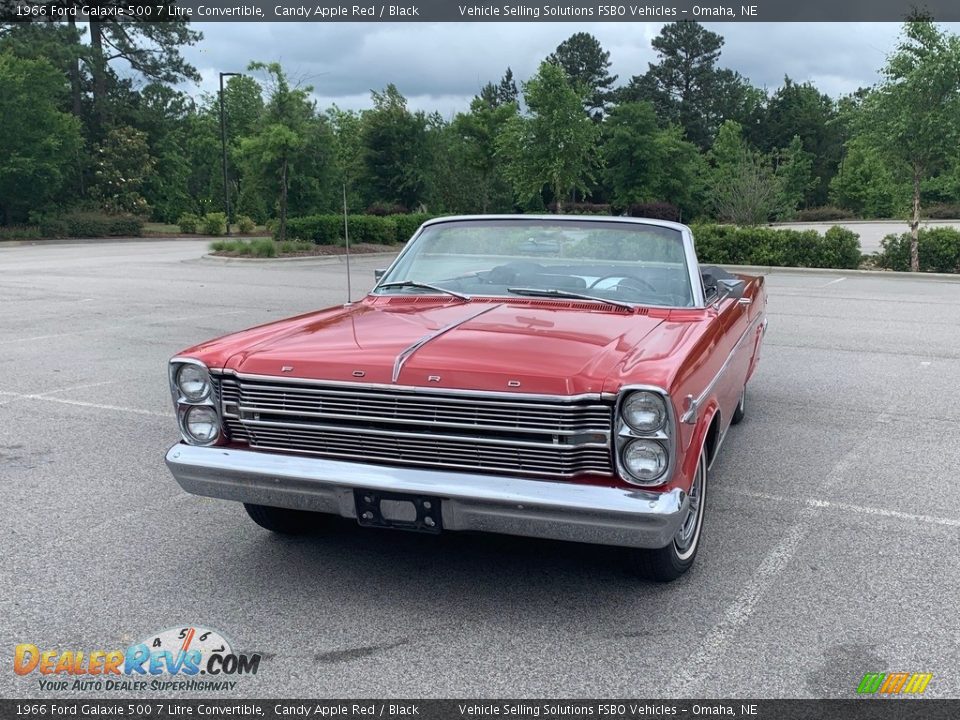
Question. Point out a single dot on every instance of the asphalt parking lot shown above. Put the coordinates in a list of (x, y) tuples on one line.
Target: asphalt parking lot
[(831, 534)]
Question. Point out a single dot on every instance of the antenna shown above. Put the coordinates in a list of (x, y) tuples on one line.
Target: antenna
[(346, 240)]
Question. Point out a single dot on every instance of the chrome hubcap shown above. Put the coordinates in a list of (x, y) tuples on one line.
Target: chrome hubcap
[(689, 531)]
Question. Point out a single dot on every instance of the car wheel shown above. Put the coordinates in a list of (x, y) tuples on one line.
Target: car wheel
[(741, 408), (670, 562), (283, 520)]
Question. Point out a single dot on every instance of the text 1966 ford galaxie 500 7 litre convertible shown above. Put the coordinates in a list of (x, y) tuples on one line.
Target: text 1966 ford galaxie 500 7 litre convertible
[(557, 377)]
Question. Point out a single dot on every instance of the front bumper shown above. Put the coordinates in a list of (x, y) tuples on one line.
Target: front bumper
[(485, 503)]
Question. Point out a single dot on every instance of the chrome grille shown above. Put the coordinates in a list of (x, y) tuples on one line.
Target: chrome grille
[(423, 428)]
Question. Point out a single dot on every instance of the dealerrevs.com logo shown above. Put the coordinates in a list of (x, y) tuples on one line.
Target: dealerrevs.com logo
[(178, 659)]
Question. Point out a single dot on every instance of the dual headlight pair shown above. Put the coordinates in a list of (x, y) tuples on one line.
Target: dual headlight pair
[(192, 389), (643, 437)]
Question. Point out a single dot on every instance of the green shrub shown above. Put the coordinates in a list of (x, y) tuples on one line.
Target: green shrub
[(731, 245), (372, 229), (263, 247), (20, 232), (655, 210), (245, 224), (90, 224), (942, 211), (407, 225), (188, 222), (825, 213), (328, 229), (938, 250), (318, 229), (289, 247), (54, 227), (215, 223)]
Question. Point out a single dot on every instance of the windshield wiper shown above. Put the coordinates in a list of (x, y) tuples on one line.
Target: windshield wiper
[(424, 286), (552, 292)]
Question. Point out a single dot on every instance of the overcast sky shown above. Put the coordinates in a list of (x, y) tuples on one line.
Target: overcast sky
[(441, 66)]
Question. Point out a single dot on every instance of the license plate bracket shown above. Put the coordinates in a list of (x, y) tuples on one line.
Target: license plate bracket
[(426, 515)]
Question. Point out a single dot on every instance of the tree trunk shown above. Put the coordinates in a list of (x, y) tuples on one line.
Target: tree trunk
[(282, 230), (915, 223), (98, 68), (76, 106), (558, 199)]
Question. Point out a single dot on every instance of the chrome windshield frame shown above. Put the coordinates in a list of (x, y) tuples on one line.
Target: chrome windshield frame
[(686, 234)]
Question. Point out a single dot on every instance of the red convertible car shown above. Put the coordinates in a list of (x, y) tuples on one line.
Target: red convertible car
[(558, 377)]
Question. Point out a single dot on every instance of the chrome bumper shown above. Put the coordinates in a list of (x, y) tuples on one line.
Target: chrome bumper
[(485, 503)]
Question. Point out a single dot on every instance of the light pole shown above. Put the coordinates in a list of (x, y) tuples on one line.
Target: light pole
[(223, 144)]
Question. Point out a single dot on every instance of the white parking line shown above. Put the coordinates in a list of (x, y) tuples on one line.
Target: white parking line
[(687, 681), (735, 615), (833, 282), (859, 509), (120, 327), (80, 403)]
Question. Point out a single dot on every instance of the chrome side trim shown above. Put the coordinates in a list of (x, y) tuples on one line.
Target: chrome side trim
[(408, 352), (628, 517), (693, 409)]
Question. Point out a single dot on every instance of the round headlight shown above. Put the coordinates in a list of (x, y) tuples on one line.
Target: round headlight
[(645, 460), (193, 382), (644, 411), (201, 424)]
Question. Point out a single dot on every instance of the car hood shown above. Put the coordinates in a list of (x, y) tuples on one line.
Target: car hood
[(527, 347)]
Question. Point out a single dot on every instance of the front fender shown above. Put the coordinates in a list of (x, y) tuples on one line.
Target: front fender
[(697, 442)]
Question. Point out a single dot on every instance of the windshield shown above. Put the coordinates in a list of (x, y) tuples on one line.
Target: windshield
[(633, 263)]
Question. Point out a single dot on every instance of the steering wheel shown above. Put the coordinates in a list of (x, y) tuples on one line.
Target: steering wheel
[(631, 278)]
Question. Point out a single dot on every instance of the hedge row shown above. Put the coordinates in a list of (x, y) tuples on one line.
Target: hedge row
[(20, 232), (731, 245), (374, 229), (91, 225), (938, 248)]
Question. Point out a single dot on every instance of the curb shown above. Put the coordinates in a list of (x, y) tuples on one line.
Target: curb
[(768, 269), (787, 225), (99, 241), (319, 259)]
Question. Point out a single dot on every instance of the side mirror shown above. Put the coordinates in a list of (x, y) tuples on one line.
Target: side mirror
[(379, 273), (730, 289)]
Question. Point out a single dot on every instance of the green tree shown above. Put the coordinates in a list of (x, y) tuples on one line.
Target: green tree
[(801, 110), (397, 154), (913, 117), (502, 94), (587, 64), (686, 87), (122, 162), (477, 132), (865, 184), (162, 112), (40, 145), (644, 162), (281, 145), (794, 171), (348, 153), (151, 50), (743, 188), (555, 144)]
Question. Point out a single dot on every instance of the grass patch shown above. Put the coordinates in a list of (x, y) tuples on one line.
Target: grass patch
[(261, 248)]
